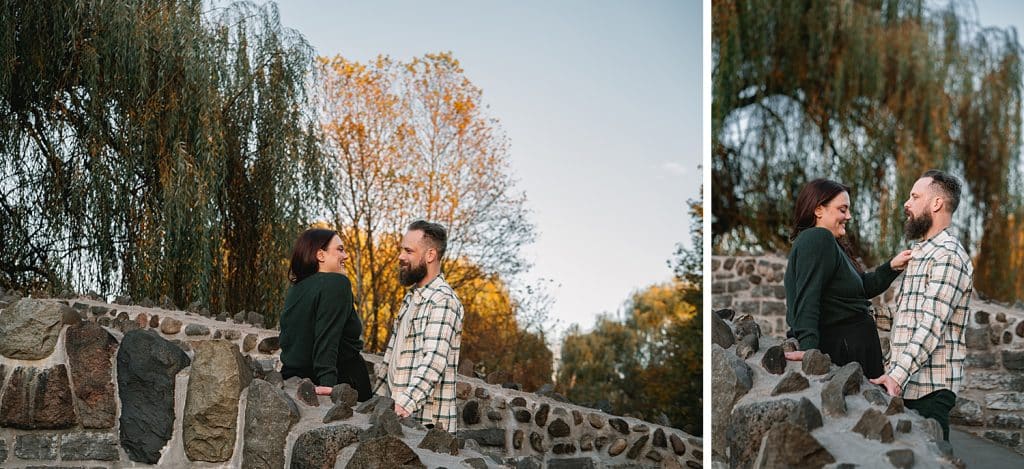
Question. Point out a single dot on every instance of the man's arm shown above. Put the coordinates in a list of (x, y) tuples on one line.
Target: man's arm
[(430, 362), (947, 281)]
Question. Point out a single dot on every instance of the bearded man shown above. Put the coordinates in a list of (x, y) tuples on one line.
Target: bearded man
[(926, 360), (419, 366)]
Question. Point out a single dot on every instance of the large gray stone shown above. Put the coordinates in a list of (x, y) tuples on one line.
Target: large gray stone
[(774, 360), (791, 382), (29, 329), (788, 445), (89, 348), (844, 381), (1005, 401), (721, 333), (494, 437), (731, 378), (36, 446), (558, 428), (89, 446), (541, 416), (976, 338), (37, 399), (747, 346), (901, 458), (383, 422), (218, 375), (572, 463), (146, 367), (384, 453), (471, 412), (748, 425), (1013, 359), (874, 425), (340, 411), (270, 410), (440, 441), (346, 394), (638, 447), (319, 447), (815, 362)]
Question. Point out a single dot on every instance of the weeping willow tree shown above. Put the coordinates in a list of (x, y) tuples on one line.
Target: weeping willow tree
[(870, 93), (153, 148)]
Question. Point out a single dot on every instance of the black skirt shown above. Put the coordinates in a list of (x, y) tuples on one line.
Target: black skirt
[(854, 341), (351, 370)]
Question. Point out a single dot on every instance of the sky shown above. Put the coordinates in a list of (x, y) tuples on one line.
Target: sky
[(601, 103)]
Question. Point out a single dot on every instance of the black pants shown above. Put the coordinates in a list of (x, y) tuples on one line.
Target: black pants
[(353, 371), (854, 341), (935, 405)]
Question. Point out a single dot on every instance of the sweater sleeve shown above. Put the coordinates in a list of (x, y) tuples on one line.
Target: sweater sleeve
[(333, 309), (813, 261), (878, 281)]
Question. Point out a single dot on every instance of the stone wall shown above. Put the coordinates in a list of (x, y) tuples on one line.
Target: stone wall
[(89, 384), (991, 403)]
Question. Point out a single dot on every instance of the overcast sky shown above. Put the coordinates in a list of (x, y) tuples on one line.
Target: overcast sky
[(601, 103)]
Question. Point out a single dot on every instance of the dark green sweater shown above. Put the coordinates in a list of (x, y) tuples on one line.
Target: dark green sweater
[(824, 288), (319, 328)]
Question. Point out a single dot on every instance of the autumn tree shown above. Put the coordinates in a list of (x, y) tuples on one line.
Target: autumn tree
[(646, 363), (412, 140), (153, 148), (871, 94)]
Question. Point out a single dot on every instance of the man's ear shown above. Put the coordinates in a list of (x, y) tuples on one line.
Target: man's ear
[(937, 203), (431, 255)]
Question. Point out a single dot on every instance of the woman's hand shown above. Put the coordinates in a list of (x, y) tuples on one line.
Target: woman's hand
[(797, 356), (900, 261), (323, 391)]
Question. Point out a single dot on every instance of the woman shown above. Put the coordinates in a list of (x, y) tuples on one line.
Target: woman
[(321, 334), (827, 293)]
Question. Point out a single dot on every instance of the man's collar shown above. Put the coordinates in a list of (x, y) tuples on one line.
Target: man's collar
[(934, 240)]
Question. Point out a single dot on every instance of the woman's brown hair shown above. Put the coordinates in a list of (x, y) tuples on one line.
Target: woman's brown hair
[(304, 261), (814, 194)]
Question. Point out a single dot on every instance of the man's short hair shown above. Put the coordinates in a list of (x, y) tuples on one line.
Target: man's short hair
[(948, 185), (434, 232)]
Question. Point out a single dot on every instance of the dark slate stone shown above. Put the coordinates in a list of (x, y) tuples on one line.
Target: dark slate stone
[(903, 426), (791, 382), (541, 417), (471, 412), (746, 325), (146, 367), (1004, 420), (981, 317), (654, 456), (677, 445), (319, 447), (475, 463), (372, 403), (873, 425), (659, 439), (980, 360), (269, 345), (815, 362), (1013, 359), (522, 415), (344, 394), (495, 416), (748, 425), (875, 396), (486, 437), (231, 334), (721, 333), (620, 425), (726, 314), (384, 422), (1011, 439), (901, 458), (270, 410), (340, 411), (747, 346), (577, 417), (530, 462), (518, 402), (806, 415), (559, 428), (537, 442), (637, 448), (846, 380), (3, 451), (89, 446), (36, 446), (976, 338), (895, 406), (440, 441), (788, 445), (564, 448), (306, 393), (37, 399), (572, 463), (1020, 328), (601, 442), (481, 393), (196, 329), (773, 360)]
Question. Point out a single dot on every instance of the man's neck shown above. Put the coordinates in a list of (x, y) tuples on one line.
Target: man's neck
[(427, 279), (935, 230)]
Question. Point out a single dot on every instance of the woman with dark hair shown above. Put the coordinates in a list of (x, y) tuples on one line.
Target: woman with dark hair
[(828, 294), (321, 334)]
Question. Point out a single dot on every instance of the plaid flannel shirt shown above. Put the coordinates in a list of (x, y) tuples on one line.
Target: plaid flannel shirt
[(427, 356), (927, 352)]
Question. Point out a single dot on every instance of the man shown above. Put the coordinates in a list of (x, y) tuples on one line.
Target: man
[(418, 370), (926, 363)]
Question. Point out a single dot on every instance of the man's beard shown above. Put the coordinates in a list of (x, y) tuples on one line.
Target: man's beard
[(412, 275), (917, 227)]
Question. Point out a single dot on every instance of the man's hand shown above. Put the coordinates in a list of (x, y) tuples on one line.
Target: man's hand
[(797, 356), (323, 391), (402, 413), (890, 385)]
